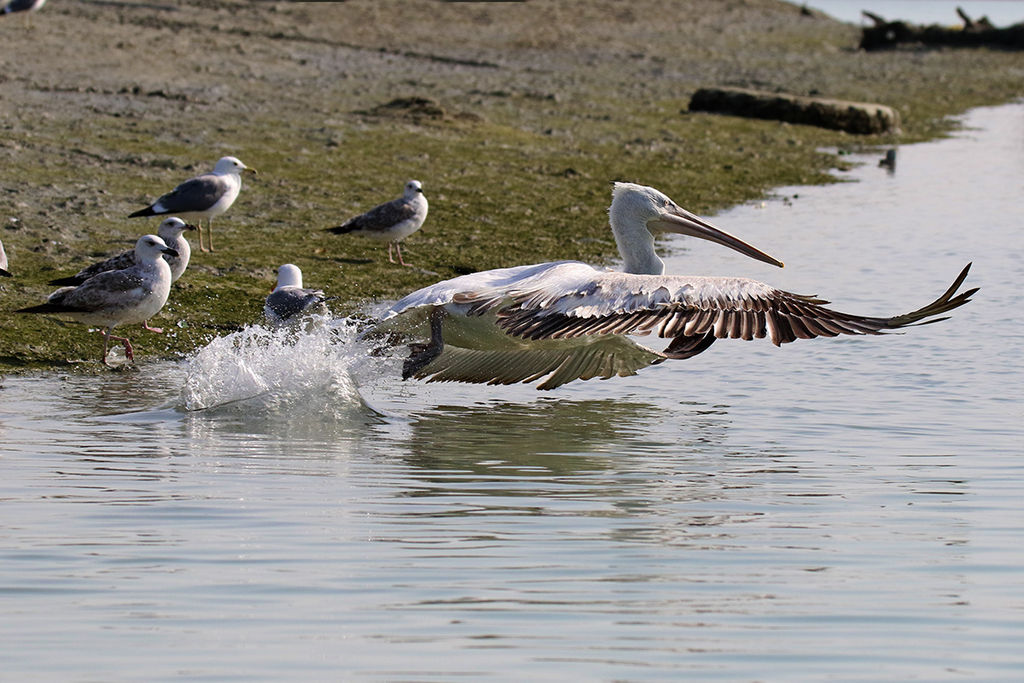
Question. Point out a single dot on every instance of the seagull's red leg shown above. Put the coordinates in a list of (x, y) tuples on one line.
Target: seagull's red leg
[(106, 345), (398, 246), (127, 347)]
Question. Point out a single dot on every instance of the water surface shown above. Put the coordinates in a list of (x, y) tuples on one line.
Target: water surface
[(284, 508), (1001, 13)]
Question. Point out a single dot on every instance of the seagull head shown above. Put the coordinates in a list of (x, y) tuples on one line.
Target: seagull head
[(232, 166), (151, 247), (638, 206), (413, 188), (172, 227), (288, 275)]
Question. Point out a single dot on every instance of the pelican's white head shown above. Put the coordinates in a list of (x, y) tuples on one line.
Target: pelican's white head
[(231, 166), (288, 275), (149, 248), (638, 211), (171, 227), (413, 188)]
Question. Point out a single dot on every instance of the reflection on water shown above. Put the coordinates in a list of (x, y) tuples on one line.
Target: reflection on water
[(281, 506)]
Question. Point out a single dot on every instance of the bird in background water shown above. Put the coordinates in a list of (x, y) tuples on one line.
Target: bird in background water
[(392, 221), (203, 197)]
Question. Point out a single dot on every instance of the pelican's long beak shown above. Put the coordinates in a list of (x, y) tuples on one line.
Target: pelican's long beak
[(251, 170), (170, 252), (677, 219), (189, 226)]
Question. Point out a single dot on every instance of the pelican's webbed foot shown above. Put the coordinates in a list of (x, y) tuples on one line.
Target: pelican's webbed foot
[(423, 354)]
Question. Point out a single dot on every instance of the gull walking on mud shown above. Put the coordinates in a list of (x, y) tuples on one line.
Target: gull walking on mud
[(204, 196), (392, 221), (567, 320), (289, 301), (171, 231), (116, 297)]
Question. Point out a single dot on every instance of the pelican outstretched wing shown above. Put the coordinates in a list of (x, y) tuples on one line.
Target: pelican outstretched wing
[(692, 311), (567, 321)]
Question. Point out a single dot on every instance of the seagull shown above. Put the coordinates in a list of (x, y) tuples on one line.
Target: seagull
[(3, 262), (22, 6), (170, 231), (204, 196), (289, 301), (566, 320), (131, 295), (392, 221)]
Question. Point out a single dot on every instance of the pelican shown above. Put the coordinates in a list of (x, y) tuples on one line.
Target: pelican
[(205, 196), (566, 320)]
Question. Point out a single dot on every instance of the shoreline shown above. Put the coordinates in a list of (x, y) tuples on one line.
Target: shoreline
[(536, 114)]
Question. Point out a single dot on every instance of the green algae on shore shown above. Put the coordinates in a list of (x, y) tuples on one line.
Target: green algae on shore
[(516, 125)]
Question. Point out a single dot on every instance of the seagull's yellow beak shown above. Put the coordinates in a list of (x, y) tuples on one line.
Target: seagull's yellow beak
[(679, 220)]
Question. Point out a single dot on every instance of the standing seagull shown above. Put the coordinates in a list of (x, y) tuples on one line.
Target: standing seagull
[(567, 320), (3, 262), (131, 295), (170, 231), (204, 196), (392, 221), (22, 6), (289, 301)]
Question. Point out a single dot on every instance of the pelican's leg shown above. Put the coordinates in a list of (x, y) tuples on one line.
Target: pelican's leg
[(199, 224), (209, 232), (158, 330), (423, 354), (390, 257)]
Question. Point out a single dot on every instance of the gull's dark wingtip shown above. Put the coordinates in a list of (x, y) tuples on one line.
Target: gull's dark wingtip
[(69, 281)]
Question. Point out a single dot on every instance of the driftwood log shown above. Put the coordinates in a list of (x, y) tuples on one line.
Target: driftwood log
[(975, 33), (861, 118)]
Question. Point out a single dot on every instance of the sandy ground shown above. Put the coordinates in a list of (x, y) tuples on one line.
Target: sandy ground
[(516, 117)]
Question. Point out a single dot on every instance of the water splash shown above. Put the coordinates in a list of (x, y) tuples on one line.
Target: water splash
[(271, 370)]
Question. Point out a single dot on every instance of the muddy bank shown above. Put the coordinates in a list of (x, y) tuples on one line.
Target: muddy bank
[(517, 118)]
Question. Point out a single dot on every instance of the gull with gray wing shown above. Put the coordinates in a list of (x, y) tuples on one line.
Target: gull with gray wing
[(205, 196), (171, 231), (22, 6), (290, 301), (117, 297), (392, 221)]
